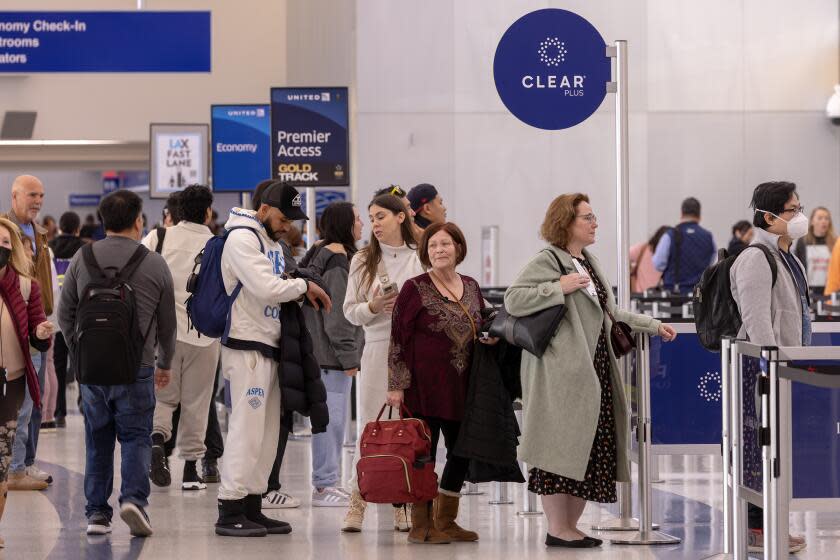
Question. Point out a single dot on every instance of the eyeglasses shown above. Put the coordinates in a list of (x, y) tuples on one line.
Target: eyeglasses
[(795, 210), (591, 218)]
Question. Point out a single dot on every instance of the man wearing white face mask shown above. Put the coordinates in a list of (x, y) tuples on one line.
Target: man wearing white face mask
[(773, 313)]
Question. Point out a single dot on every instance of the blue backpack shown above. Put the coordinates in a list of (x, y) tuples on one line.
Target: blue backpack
[(208, 308)]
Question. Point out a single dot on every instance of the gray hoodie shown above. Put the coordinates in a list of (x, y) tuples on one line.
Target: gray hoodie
[(772, 315), (337, 343)]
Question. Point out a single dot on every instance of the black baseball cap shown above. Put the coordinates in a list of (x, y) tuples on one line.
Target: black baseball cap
[(285, 198), (421, 194)]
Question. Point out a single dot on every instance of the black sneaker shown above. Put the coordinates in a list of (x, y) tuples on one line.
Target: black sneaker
[(136, 519), (159, 471), (210, 471), (233, 523), (253, 512), (98, 524), (60, 422), (191, 480)]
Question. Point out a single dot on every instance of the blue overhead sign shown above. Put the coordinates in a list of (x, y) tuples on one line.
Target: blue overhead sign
[(309, 136), (84, 200), (551, 69), (241, 146), (137, 41)]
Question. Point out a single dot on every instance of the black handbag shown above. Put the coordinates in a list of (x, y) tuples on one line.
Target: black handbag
[(534, 332)]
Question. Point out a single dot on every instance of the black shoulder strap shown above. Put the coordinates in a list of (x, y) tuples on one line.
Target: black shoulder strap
[(771, 260), (93, 267), (556, 258), (131, 266), (161, 233)]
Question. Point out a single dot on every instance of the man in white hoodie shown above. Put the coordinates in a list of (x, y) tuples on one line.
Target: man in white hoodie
[(250, 354)]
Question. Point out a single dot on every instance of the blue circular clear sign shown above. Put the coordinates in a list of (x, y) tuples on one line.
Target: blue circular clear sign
[(551, 69)]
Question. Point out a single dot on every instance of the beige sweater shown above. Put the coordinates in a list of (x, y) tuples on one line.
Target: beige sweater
[(401, 264)]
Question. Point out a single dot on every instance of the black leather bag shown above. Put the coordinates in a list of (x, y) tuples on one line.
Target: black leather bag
[(534, 332)]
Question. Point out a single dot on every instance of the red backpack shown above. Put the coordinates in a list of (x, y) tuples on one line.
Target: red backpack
[(396, 464)]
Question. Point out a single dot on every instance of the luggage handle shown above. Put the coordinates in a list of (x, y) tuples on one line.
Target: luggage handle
[(403, 408)]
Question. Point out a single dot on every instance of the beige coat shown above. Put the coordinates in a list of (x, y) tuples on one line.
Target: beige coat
[(561, 394)]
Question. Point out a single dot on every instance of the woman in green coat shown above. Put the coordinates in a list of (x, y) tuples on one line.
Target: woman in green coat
[(574, 408)]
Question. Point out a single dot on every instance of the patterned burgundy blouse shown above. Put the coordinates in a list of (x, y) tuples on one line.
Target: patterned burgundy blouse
[(431, 347)]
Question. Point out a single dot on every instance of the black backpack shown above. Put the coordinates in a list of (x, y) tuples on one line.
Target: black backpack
[(715, 312), (108, 344)]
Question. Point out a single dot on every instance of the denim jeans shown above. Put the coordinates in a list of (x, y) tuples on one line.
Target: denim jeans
[(326, 447), (29, 424), (124, 413)]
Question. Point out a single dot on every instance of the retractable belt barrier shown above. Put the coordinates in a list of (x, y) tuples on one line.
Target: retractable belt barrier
[(781, 450)]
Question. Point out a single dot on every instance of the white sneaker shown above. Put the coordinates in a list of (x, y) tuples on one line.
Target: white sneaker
[(38, 474), (330, 497), (276, 499)]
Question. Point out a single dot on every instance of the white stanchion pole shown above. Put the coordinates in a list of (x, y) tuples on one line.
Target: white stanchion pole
[(349, 432), (646, 535), (625, 521), (501, 494), (529, 499), (728, 475)]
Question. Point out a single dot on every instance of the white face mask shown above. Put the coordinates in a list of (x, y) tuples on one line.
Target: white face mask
[(796, 227)]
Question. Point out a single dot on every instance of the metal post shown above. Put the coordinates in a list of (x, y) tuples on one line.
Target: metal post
[(312, 213), (775, 534), (739, 509), (646, 535), (472, 489), (618, 51), (529, 499), (726, 449), (349, 432), (501, 494)]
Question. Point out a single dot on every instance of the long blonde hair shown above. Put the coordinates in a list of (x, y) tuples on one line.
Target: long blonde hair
[(830, 236), (18, 260)]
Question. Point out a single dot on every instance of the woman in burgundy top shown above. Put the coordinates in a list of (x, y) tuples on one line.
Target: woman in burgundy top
[(22, 322), (433, 332)]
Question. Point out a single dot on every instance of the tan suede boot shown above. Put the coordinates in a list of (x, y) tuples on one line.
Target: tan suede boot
[(422, 526), (24, 482), (446, 510)]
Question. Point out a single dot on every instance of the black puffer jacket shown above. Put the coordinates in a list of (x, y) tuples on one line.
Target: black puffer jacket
[(301, 388), (489, 432)]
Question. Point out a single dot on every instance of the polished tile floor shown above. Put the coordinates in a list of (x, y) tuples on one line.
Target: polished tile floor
[(51, 524)]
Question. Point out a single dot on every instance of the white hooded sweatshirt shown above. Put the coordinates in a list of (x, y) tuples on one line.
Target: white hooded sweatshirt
[(255, 315)]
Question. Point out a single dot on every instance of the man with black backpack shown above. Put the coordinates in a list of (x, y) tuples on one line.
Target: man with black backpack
[(117, 314), (774, 304)]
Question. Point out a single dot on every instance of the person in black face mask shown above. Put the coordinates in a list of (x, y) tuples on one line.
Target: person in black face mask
[(22, 322)]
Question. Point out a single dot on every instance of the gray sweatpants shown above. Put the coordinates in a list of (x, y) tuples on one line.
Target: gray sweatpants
[(193, 370)]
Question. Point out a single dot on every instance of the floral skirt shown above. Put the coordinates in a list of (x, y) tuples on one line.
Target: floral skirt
[(598, 484)]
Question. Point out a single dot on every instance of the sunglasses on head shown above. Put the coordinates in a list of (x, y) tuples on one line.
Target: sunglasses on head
[(395, 190)]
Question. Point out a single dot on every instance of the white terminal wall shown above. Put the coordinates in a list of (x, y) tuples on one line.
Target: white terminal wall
[(724, 94)]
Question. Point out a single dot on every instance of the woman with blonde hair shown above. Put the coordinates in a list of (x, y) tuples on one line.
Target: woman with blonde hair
[(377, 274), (22, 323), (814, 250), (574, 408)]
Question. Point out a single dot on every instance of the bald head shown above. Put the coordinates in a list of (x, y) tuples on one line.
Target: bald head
[(27, 198)]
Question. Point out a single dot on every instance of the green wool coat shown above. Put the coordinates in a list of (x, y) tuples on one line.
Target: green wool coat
[(561, 394)]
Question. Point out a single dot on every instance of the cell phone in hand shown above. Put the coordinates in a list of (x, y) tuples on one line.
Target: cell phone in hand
[(389, 289)]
